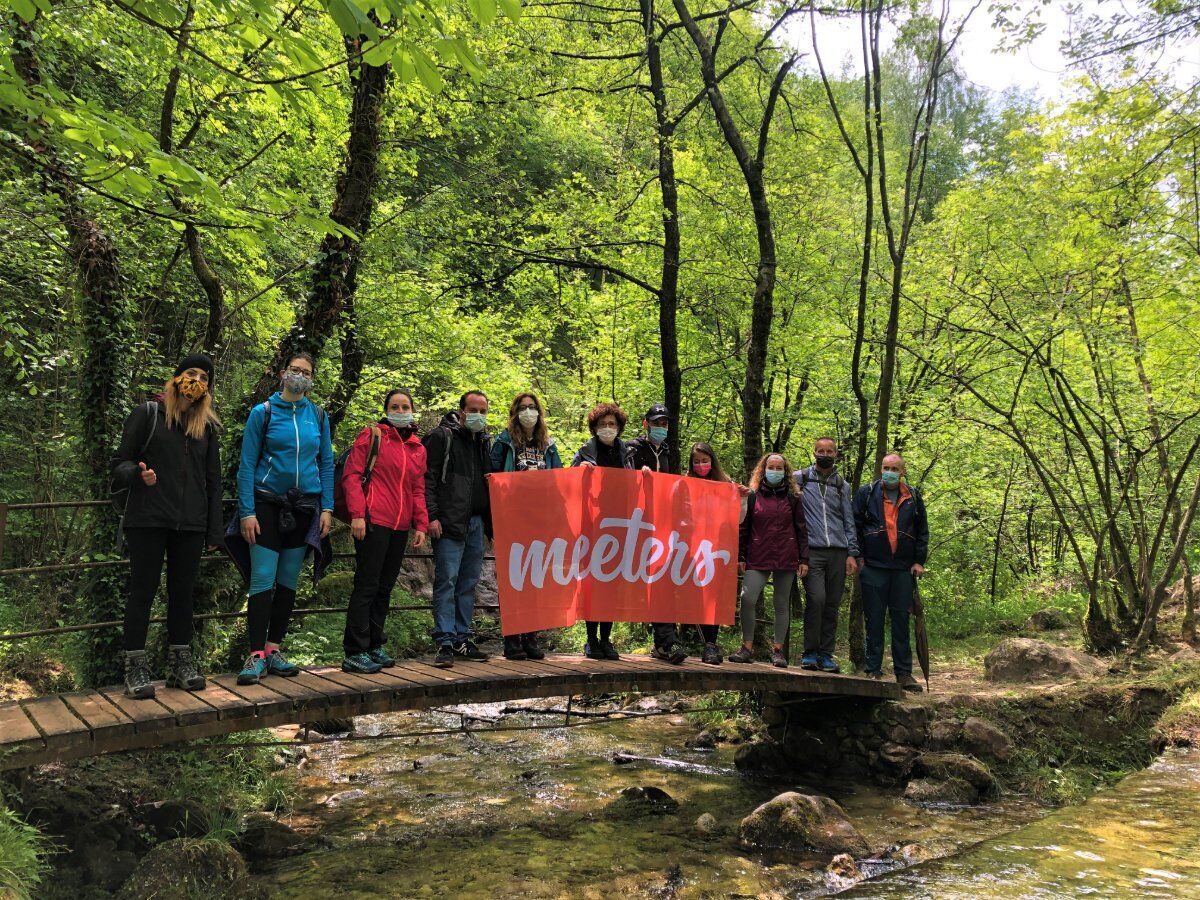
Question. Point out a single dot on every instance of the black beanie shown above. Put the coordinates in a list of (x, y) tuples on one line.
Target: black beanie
[(196, 361)]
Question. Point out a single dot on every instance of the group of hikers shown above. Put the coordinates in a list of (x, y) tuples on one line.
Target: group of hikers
[(393, 482)]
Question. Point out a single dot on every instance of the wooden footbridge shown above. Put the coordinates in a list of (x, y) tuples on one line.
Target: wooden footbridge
[(91, 723)]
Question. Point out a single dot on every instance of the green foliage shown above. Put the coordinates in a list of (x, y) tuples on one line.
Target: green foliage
[(22, 854)]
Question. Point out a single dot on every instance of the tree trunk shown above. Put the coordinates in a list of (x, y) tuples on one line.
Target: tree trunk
[(106, 314), (668, 293), (335, 271), (762, 308)]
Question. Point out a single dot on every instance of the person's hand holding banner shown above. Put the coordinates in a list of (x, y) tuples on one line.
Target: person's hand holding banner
[(613, 545)]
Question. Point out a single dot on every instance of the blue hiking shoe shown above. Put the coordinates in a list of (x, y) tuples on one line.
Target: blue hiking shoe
[(360, 664), (829, 664), (278, 664), (810, 661), (381, 658), (253, 670)]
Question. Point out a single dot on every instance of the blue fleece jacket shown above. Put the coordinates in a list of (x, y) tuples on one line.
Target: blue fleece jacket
[(298, 453)]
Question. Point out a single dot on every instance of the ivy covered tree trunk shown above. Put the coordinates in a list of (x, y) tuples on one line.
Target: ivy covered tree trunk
[(105, 314), (335, 271)]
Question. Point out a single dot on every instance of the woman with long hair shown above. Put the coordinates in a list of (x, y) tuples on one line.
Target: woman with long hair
[(772, 544), (525, 446), (704, 463), (384, 484), (606, 422), (169, 463), (285, 506)]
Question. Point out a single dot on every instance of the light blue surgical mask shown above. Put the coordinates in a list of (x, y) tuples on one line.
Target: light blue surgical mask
[(475, 421), (401, 420), (658, 433), (774, 477), (891, 479)]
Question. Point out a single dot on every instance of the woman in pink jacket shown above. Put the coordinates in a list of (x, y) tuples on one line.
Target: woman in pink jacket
[(384, 484)]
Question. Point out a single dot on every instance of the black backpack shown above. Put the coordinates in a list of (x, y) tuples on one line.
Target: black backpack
[(119, 497)]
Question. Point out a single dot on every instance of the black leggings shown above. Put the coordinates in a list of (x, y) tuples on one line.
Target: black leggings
[(268, 614), (605, 629), (378, 560), (709, 633), (147, 547)]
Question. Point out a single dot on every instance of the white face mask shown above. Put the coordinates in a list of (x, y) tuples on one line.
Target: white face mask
[(401, 419), (606, 435), (528, 417)]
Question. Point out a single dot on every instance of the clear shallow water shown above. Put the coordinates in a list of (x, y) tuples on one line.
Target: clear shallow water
[(523, 815), (1138, 839)]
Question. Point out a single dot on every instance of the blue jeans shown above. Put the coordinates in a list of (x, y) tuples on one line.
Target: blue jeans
[(456, 568), (889, 590)]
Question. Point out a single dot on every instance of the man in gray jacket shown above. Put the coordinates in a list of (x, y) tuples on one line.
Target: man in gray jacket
[(833, 552)]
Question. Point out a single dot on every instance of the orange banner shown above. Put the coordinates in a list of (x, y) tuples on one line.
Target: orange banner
[(612, 545)]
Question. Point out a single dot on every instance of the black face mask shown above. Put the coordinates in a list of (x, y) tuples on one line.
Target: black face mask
[(825, 462)]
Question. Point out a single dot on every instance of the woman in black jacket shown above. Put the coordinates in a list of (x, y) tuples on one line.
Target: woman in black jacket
[(606, 450), (169, 463)]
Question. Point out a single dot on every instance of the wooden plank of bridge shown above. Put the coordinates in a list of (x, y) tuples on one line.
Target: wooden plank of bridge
[(187, 709), (105, 721), (20, 734), (148, 716), (228, 706), (264, 703), (440, 684), (375, 694), (60, 727)]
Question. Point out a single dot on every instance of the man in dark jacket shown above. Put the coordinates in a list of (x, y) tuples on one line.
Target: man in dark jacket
[(458, 455), (893, 535), (832, 552), (651, 451)]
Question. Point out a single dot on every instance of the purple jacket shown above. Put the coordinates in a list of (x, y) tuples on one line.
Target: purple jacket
[(773, 536)]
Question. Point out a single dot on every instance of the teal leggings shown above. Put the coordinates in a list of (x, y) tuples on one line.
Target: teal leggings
[(268, 568)]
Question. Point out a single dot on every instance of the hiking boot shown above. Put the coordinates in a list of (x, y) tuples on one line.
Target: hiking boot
[(181, 669), (278, 664), (253, 669), (828, 664), (810, 661), (778, 660), (596, 652), (674, 654), (711, 655), (909, 683), (138, 683), (445, 657), (360, 664), (874, 676), (742, 655), (513, 649), (381, 658), (609, 651), (530, 645), (468, 650)]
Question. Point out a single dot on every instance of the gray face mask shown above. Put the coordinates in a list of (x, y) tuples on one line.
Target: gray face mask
[(297, 384), (400, 420)]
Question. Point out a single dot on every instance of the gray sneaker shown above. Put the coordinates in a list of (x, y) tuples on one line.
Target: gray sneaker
[(138, 683), (741, 655), (778, 660), (181, 669)]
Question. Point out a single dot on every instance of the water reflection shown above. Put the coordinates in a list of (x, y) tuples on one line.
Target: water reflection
[(1138, 839)]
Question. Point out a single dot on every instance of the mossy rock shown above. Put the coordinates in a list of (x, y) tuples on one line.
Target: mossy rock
[(794, 821), (947, 766), (185, 868)]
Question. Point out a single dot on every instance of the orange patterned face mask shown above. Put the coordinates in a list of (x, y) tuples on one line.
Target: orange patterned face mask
[(191, 388)]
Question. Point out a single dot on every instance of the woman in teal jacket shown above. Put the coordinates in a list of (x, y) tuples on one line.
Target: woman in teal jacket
[(525, 446), (285, 491)]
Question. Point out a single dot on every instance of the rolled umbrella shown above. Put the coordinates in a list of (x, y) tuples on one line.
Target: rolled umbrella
[(922, 636)]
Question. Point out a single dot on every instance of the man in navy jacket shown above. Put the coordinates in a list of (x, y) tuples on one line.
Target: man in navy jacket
[(893, 537)]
